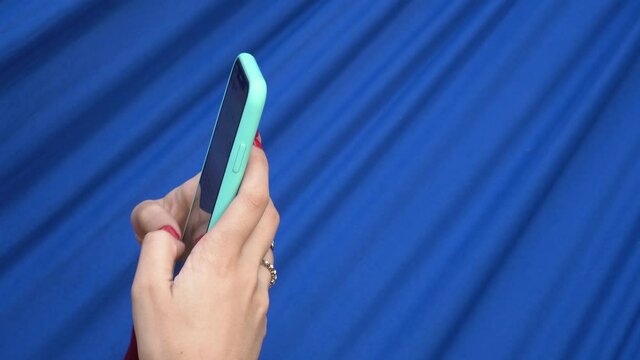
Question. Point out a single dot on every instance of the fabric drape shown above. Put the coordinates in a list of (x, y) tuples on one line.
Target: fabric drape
[(456, 179)]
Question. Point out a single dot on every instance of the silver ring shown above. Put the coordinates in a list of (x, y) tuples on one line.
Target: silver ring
[(272, 270), (273, 245)]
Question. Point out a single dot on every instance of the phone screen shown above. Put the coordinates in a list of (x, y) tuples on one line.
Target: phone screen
[(215, 164)]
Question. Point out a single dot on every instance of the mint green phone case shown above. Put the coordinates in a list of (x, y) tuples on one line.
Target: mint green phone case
[(244, 137)]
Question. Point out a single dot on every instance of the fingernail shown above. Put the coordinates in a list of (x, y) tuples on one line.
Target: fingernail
[(171, 230), (258, 140)]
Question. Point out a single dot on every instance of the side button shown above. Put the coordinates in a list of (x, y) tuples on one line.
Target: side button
[(239, 156)]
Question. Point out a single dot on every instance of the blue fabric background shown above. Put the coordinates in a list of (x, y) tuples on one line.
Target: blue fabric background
[(457, 179)]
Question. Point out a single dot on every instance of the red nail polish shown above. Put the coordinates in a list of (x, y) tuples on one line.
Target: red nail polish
[(171, 230), (258, 140)]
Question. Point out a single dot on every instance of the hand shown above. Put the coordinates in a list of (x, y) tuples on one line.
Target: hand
[(216, 307)]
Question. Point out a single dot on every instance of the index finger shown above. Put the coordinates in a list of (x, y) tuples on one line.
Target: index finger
[(151, 215), (243, 214), (178, 201)]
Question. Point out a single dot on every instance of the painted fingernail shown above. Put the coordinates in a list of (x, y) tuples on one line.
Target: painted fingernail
[(171, 230), (258, 140)]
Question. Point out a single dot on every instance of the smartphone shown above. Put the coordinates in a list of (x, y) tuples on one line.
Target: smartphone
[(229, 147)]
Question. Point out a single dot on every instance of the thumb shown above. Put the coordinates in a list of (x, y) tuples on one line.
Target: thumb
[(156, 263)]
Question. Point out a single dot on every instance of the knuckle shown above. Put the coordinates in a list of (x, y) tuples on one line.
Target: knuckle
[(135, 292), (256, 199), (146, 292), (262, 303), (260, 158), (264, 162), (224, 267), (148, 208), (138, 208), (144, 212), (142, 289), (263, 326), (209, 256), (274, 217)]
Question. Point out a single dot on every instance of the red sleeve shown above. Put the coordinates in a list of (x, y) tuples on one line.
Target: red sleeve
[(132, 352)]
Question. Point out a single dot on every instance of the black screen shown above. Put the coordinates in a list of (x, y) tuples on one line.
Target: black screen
[(217, 157)]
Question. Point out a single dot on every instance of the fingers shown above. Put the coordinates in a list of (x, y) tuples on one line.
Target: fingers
[(151, 215), (259, 242), (237, 223), (156, 263), (178, 201)]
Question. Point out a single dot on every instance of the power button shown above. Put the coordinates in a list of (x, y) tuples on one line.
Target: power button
[(239, 156)]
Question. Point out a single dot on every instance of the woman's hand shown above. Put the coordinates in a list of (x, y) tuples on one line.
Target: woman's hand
[(216, 307)]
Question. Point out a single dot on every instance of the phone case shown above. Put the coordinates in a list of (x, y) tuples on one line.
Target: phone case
[(243, 142)]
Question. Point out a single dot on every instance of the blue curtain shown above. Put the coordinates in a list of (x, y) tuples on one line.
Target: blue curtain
[(456, 179)]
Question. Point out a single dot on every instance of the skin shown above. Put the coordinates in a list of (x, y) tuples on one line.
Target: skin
[(216, 307)]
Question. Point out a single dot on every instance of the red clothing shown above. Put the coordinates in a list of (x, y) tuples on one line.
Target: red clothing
[(132, 352)]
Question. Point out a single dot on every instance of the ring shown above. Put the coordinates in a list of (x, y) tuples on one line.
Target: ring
[(272, 270), (272, 245)]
